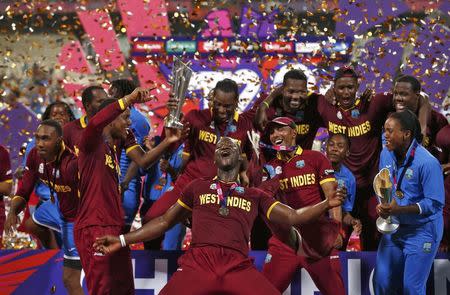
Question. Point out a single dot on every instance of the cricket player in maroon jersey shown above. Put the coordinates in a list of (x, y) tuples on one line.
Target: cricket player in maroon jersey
[(304, 178), (443, 148), (56, 166), (92, 97), (5, 184), (222, 213), (207, 127), (292, 100), (406, 95), (100, 211)]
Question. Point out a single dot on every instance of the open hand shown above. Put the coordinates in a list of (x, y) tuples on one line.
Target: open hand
[(11, 222), (107, 244), (140, 95)]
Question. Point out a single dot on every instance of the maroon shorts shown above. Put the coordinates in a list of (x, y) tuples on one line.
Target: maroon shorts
[(282, 263), (105, 274), (214, 270)]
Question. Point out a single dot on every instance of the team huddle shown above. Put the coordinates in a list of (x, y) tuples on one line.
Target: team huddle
[(233, 168)]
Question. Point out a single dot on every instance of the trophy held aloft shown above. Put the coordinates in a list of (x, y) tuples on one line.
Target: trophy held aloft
[(181, 75), (382, 186)]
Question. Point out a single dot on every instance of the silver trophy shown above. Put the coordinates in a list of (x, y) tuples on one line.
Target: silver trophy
[(181, 75), (382, 186)]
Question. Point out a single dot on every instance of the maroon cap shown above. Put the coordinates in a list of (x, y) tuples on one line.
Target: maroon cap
[(284, 121)]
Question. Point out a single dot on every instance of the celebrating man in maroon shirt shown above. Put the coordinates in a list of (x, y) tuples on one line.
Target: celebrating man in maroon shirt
[(222, 213), (207, 127), (56, 166), (304, 178), (5, 184), (100, 211), (92, 97)]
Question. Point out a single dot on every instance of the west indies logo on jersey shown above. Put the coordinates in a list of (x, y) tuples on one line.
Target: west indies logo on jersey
[(300, 164), (213, 186), (278, 170), (409, 173), (355, 113), (240, 190), (232, 128), (41, 168)]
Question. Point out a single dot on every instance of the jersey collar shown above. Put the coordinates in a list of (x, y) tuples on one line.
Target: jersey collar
[(298, 151), (83, 121)]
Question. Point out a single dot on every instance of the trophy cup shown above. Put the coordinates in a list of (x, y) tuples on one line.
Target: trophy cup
[(382, 186), (181, 74)]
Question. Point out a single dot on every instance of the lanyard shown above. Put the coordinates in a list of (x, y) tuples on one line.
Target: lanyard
[(398, 184), (223, 198), (52, 184), (278, 147), (229, 129)]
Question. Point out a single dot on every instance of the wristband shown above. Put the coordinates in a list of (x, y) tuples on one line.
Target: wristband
[(122, 241)]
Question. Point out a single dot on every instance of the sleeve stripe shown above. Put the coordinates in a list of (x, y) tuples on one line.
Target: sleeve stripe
[(186, 153), (184, 205), (122, 104), (420, 208), (17, 197), (271, 208), (327, 180), (7, 181), (131, 148)]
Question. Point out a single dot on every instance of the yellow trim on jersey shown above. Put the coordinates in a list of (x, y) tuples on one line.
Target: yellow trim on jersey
[(270, 209), (236, 116), (298, 151), (131, 148), (186, 153), (83, 121), (7, 181), (327, 180), (122, 104), (184, 205)]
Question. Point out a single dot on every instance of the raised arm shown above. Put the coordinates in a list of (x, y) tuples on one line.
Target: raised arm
[(151, 230), (261, 116), (284, 214)]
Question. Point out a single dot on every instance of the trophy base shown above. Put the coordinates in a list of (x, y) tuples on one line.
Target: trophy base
[(386, 227), (173, 124)]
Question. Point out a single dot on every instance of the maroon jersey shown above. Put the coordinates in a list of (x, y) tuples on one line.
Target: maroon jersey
[(60, 175), (230, 231), (5, 167), (443, 149), (307, 120), (72, 133), (100, 197), (301, 176), (436, 121), (203, 137), (300, 179), (364, 128)]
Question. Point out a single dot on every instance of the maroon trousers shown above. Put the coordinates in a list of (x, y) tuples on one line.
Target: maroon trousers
[(213, 270), (282, 262), (105, 274)]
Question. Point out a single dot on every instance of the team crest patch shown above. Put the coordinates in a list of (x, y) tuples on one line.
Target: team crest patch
[(213, 186), (239, 190), (427, 247), (409, 173), (329, 171), (232, 128), (355, 114), (278, 170), (268, 258), (300, 164)]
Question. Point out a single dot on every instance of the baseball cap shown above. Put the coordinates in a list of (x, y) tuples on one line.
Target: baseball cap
[(283, 121)]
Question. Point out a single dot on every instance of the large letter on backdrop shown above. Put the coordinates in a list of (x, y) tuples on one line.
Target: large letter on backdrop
[(144, 18), (254, 24), (98, 26), (219, 24)]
